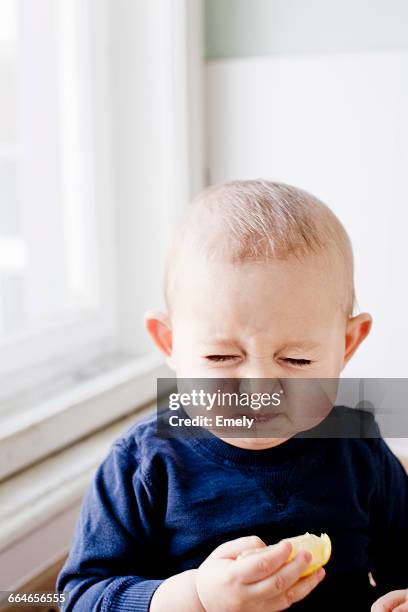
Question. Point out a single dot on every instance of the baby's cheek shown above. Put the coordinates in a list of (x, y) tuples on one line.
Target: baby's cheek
[(306, 402)]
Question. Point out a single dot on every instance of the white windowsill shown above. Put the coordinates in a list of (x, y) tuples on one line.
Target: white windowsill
[(61, 411), (39, 507)]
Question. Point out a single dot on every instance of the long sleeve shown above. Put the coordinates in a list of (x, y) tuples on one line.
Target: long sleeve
[(390, 522), (112, 565)]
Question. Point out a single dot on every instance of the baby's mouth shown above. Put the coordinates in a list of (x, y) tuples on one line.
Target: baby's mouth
[(261, 417)]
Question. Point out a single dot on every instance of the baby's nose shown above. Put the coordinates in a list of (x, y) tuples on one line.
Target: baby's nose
[(260, 366)]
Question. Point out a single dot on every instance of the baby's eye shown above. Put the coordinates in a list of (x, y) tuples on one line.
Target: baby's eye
[(220, 358), (297, 362)]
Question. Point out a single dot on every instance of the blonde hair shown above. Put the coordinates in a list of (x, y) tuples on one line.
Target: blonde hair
[(259, 220)]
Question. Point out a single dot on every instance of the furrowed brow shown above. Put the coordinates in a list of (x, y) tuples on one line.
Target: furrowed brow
[(302, 346), (220, 342)]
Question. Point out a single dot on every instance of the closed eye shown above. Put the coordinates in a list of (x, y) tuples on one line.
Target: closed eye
[(297, 362), (220, 358)]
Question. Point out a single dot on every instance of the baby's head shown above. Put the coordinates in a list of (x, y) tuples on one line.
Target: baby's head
[(259, 284)]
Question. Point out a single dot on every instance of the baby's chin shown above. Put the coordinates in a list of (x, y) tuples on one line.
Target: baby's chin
[(255, 443)]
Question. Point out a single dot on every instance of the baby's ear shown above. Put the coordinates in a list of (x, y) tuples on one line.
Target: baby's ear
[(159, 327), (357, 330)]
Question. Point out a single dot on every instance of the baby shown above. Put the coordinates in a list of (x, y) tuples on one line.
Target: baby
[(259, 285)]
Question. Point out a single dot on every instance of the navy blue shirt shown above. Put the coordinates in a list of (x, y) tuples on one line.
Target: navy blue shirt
[(157, 507)]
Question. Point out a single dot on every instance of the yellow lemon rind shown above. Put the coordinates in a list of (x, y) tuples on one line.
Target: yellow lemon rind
[(309, 542)]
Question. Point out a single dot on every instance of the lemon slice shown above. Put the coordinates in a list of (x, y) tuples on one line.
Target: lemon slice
[(319, 547)]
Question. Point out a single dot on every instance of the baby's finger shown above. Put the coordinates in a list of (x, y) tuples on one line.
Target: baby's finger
[(260, 565), (233, 548), (402, 608), (299, 591), (390, 601), (284, 578)]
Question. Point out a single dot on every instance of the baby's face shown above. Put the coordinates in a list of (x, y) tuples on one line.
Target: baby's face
[(276, 320)]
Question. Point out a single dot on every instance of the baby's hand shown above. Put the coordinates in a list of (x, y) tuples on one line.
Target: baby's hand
[(395, 601), (253, 583)]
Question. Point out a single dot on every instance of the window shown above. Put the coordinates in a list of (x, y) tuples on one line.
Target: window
[(12, 255), (52, 281), (47, 202), (95, 167)]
